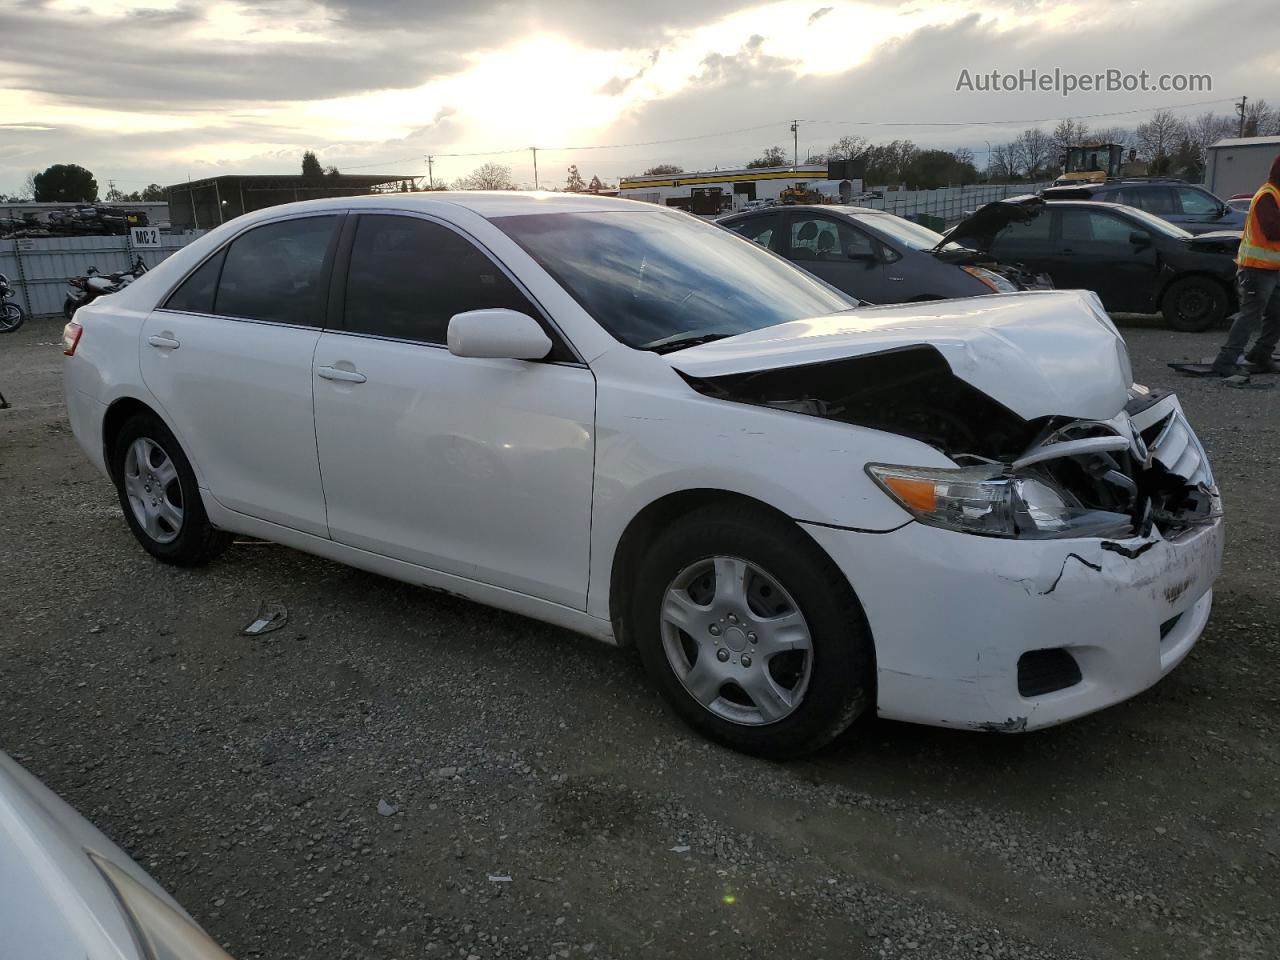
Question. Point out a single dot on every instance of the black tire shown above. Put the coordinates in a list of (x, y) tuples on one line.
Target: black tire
[(841, 679), (1194, 304), (196, 541), (11, 317)]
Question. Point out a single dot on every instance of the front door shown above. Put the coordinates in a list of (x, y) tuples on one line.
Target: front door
[(478, 468), (228, 359), (1096, 252), (839, 253)]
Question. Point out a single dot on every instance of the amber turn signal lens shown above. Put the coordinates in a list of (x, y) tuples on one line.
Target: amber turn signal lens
[(914, 492)]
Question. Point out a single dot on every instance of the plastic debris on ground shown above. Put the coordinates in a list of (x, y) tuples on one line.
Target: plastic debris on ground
[(271, 615)]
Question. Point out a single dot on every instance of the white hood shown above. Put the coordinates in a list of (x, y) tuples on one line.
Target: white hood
[(1039, 353)]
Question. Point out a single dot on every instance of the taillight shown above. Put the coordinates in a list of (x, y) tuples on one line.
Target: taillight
[(71, 338)]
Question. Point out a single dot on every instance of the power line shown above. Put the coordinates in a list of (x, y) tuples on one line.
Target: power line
[(987, 123)]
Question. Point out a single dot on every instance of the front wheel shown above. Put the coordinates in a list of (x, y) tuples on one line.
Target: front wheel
[(751, 634), (11, 318), (1194, 304), (159, 496)]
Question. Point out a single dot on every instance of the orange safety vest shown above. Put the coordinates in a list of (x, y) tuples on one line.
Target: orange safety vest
[(1255, 249)]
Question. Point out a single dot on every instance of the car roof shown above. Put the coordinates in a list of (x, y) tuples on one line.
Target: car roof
[(1100, 204), (815, 207), (486, 203)]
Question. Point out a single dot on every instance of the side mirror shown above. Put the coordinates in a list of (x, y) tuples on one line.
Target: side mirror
[(1140, 238), (859, 257), (497, 334)]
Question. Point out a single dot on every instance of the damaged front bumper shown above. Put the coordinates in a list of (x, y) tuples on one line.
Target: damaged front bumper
[(1014, 634), (962, 623)]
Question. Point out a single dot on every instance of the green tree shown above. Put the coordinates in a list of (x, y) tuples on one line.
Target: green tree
[(574, 183), (65, 183), (311, 165), (595, 186), (772, 157), (663, 170)]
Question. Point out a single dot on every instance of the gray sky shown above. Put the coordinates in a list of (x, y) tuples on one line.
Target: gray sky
[(158, 90)]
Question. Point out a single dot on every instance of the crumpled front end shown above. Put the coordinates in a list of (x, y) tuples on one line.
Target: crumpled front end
[(1012, 634)]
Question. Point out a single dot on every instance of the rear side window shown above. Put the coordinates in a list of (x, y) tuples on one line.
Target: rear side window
[(195, 294), (1035, 229), (408, 277), (276, 272)]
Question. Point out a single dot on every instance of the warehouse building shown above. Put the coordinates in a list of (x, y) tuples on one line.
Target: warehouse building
[(1239, 165), (202, 204), (711, 192)]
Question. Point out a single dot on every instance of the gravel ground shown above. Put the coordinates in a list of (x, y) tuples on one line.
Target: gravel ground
[(364, 781)]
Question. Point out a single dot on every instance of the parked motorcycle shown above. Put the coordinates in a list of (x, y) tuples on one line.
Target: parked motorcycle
[(93, 285), (12, 316)]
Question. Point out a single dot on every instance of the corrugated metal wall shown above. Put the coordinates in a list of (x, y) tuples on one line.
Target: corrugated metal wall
[(38, 267)]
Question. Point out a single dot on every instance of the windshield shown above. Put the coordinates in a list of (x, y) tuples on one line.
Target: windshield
[(1156, 223), (654, 279), (910, 235)]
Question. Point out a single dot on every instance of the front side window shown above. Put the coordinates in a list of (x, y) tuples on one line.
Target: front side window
[(1094, 226), (656, 280), (276, 272), (759, 229), (408, 277), (1197, 203)]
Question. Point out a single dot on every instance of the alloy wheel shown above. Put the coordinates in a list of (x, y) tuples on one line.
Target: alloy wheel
[(737, 640), (154, 490)]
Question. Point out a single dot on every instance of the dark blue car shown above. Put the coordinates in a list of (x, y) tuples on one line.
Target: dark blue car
[(1189, 205)]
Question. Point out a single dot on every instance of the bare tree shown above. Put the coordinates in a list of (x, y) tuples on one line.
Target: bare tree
[(1033, 152), (1122, 136), (1159, 137), (29, 185), (1260, 117), (1001, 165), (574, 182), (488, 176), (1206, 130), (1067, 134)]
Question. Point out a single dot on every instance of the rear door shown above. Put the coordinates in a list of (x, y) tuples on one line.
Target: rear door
[(1030, 244), (228, 359), (841, 254), (475, 467)]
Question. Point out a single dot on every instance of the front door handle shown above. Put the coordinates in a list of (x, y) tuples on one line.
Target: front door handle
[(337, 373), (164, 343)]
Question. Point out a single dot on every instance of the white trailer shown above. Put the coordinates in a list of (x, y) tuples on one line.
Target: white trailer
[(1239, 165)]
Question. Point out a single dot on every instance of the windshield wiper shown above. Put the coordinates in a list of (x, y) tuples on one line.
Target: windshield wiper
[(669, 346)]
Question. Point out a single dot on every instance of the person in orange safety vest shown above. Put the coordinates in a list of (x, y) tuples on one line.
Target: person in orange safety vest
[(1258, 285)]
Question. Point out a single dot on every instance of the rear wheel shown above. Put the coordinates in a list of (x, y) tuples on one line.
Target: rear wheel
[(159, 496), (11, 318), (751, 633), (1194, 304)]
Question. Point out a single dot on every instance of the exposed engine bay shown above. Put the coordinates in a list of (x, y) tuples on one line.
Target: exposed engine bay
[(1118, 479)]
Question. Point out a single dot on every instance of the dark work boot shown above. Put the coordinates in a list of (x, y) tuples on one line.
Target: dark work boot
[(1224, 364), (1261, 363)]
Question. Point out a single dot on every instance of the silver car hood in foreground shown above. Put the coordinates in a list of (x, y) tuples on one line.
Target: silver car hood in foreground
[(55, 903), (1039, 353)]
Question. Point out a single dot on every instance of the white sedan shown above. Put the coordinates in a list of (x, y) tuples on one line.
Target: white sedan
[(622, 420)]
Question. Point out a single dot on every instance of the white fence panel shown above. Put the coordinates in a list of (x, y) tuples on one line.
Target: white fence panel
[(38, 267)]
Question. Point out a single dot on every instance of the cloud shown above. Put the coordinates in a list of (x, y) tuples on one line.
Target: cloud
[(819, 14)]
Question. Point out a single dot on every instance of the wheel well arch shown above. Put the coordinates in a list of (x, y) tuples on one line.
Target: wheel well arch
[(113, 422), (657, 516)]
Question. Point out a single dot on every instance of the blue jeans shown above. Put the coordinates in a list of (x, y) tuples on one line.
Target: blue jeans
[(1259, 292)]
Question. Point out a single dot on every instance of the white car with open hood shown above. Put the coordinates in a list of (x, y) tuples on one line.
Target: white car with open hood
[(617, 418)]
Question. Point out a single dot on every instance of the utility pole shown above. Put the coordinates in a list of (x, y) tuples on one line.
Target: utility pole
[(535, 167), (431, 180), (1240, 110), (795, 144)]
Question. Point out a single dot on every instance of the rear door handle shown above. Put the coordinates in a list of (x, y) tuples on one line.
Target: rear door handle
[(337, 373), (164, 343)]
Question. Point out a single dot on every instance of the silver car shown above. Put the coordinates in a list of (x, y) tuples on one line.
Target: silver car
[(69, 893), (880, 257)]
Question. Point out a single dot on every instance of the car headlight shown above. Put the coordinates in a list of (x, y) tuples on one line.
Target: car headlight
[(986, 500), (162, 933), (997, 283)]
